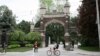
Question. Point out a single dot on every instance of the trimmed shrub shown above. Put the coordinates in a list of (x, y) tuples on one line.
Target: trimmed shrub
[(14, 46), (34, 36), (29, 45), (18, 37)]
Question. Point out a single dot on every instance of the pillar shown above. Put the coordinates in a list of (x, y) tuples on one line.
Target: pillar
[(43, 38)]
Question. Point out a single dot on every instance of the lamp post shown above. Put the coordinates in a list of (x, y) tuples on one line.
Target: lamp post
[(98, 22)]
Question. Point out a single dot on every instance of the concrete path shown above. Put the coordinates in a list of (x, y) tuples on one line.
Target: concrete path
[(42, 52)]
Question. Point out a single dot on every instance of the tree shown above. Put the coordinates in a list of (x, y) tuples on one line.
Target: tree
[(38, 23), (47, 3), (73, 36), (24, 26), (73, 21), (7, 23), (73, 28), (55, 31), (87, 23), (60, 8), (7, 19)]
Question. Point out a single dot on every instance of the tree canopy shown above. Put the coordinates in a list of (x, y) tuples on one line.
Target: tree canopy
[(37, 23), (24, 26), (7, 19), (55, 31), (87, 22), (47, 3), (73, 28)]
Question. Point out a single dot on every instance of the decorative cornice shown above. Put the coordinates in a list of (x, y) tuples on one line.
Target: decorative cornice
[(53, 16)]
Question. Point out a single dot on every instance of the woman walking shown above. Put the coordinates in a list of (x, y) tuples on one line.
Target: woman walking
[(35, 46)]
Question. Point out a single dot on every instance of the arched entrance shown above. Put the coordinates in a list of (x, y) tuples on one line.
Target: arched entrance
[(61, 19), (54, 17)]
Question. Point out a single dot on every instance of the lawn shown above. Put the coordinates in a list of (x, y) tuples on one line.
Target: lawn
[(90, 48), (21, 49)]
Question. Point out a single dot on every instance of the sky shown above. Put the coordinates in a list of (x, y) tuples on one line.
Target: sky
[(28, 9), (74, 5)]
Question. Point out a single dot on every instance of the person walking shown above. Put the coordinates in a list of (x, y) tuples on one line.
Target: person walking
[(35, 46)]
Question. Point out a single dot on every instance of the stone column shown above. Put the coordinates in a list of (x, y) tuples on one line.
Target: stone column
[(43, 38), (66, 36)]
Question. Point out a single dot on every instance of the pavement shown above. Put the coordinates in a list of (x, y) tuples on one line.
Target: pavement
[(43, 52)]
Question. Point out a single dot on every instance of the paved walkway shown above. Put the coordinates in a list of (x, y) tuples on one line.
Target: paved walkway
[(42, 52)]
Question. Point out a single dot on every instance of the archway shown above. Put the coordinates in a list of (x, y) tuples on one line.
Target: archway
[(54, 17), (62, 20)]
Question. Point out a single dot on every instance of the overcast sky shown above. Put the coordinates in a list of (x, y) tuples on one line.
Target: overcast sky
[(27, 9)]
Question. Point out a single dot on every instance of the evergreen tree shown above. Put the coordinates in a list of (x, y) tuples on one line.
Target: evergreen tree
[(7, 23), (7, 19), (87, 23), (24, 26)]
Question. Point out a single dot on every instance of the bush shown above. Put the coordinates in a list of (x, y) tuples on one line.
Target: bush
[(17, 35), (14, 46), (34, 36), (13, 42), (85, 41), (29, 45)]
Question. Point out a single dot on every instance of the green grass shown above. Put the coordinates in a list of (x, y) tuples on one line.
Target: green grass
[(21, 49), (90, 49)]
